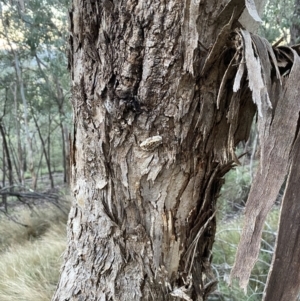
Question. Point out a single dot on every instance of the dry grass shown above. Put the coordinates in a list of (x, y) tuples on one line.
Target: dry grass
[(37, 220), (31, 256)]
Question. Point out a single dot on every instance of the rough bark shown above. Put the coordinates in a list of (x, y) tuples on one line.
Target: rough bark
[(277, 129), (283, 282), (155, 126)]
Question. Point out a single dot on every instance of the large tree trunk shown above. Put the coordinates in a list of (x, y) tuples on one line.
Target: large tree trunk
[(153, 137)]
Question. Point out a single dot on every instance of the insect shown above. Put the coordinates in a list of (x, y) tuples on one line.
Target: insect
[(151, 143)]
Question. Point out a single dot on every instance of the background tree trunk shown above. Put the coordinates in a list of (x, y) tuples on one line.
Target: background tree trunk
[(47, 159), (153, 136), (295, 28)]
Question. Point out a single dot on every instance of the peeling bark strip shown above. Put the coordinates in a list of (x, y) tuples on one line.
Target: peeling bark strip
[(156, 122), (251, 7), (283, 282), (277, 130)]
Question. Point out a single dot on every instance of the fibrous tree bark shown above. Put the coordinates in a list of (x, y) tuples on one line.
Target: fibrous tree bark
[(278, 129), (161, 98), (284, 278)]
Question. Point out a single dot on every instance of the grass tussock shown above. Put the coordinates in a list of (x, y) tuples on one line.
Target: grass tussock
[(31, 256), (224, 251), (29, 224)]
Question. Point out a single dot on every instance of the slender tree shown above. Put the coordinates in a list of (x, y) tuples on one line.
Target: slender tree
[(295, 27)]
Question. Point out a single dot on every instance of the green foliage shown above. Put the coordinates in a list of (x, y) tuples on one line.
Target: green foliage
[(230, 223), (35, 40), (234, 192), (278, 20), (227, 238)]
